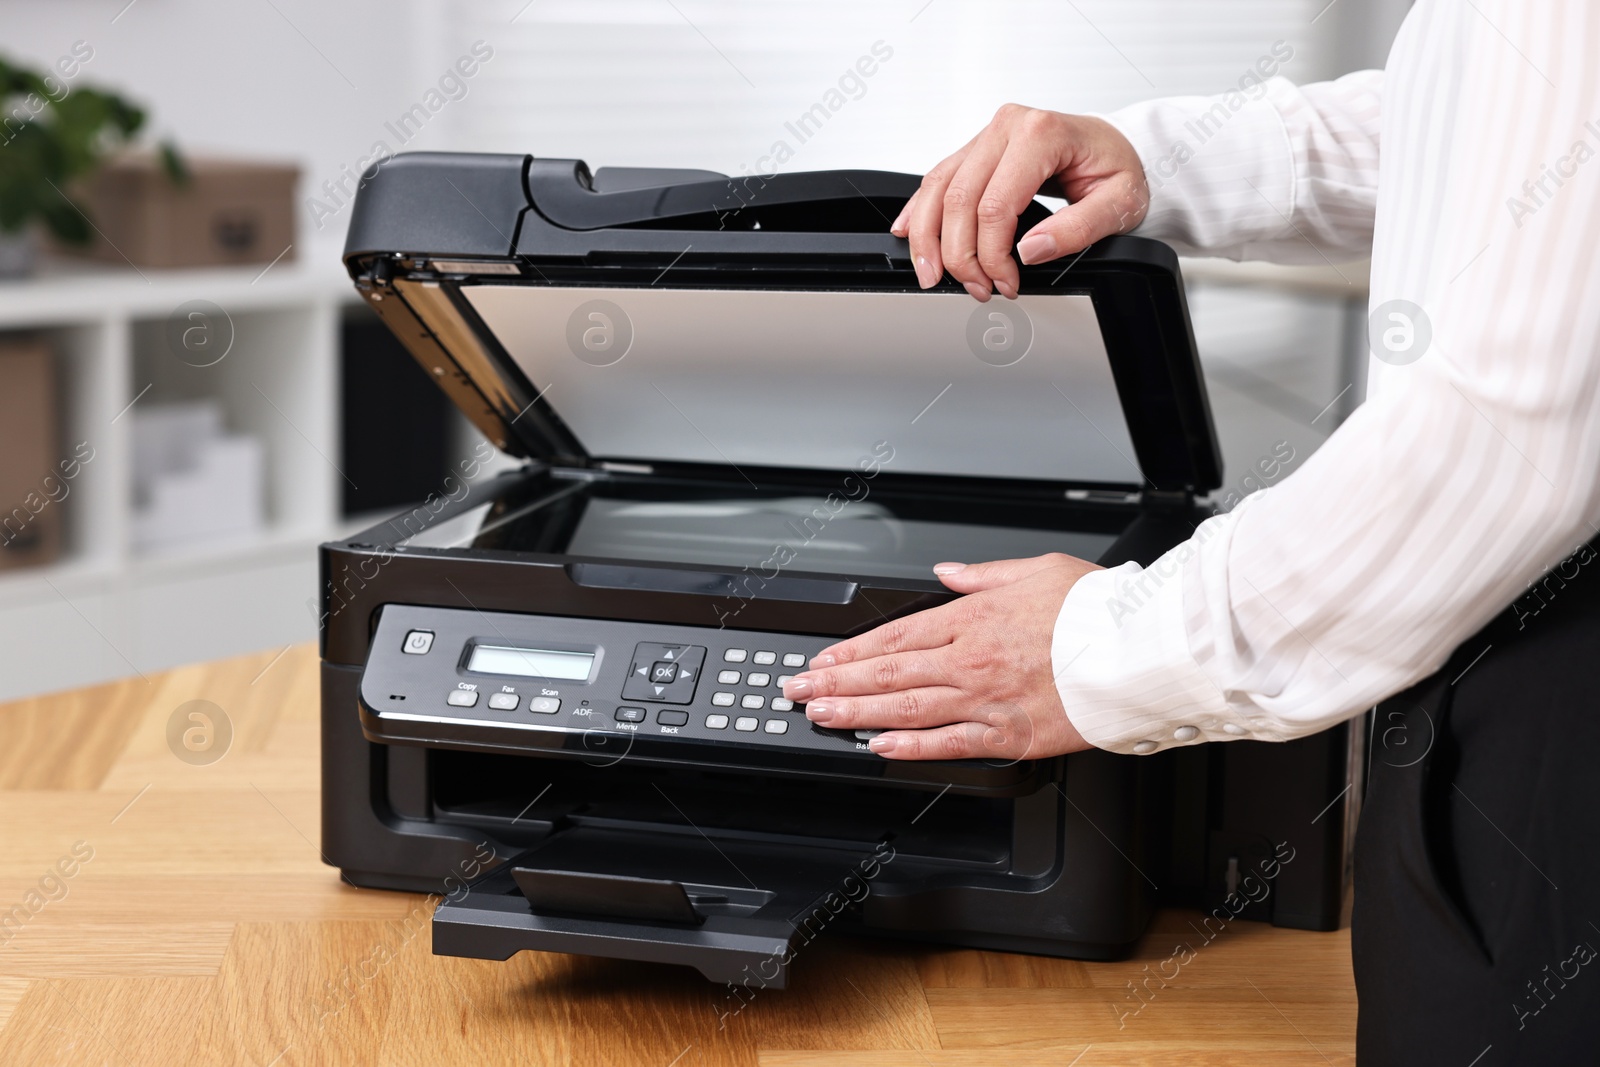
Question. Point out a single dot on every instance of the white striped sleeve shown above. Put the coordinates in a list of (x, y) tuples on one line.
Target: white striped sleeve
[(1286, 173), (1471, 472)]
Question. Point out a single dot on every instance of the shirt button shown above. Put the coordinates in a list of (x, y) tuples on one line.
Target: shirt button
[(1231, 728), (1186, 733), (1144, 748)]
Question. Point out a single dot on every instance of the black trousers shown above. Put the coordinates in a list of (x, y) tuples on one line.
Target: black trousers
[(1476, 929)]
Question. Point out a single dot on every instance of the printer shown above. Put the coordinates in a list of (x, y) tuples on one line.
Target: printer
[(553, 697)]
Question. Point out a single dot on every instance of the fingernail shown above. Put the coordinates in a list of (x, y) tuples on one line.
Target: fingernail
[(798, 689), (926, 277), (898, 226), (1007, 290), (819, 712), (823, 659), (882, 745), (948, 568), (978, 292), (1037, 247)]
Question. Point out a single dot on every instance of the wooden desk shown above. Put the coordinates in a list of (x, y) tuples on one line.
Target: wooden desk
[(205, 929)]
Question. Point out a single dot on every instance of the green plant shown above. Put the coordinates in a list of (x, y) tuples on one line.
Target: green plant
[(52, 135)]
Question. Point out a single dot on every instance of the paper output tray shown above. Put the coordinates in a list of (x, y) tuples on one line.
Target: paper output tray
[(735, 910)]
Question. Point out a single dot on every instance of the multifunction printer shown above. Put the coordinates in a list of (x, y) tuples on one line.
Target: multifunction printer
[(553, 696)]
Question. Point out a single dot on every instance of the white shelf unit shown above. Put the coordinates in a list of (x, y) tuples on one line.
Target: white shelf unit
[(104, 610)]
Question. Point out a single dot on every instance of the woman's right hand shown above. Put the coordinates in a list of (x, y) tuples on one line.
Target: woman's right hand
[(964, 217)]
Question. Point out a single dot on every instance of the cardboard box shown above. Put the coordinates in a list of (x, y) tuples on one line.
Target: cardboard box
[(33, 485), (230, 212)]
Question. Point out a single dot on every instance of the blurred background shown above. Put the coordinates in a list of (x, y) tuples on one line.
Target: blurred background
[(190, 397)]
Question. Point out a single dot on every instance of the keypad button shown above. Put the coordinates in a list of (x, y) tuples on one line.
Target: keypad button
[(867, 735), (722, 700), (672, 718), (418, 642), (735, 655), (462, 698), (777, 726), (503, 701), (793, 659), (782, 704), (630, 715), (753, 702), (764, 658), (544, 705), (665, 674), (728, 677), (716, 722), (783, 680), (757, 680), (745, 723)]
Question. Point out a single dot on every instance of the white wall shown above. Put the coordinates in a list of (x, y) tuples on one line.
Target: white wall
[(711, 83), (706, 83)]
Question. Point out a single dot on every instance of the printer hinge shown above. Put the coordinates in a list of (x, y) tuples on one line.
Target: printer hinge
[(1174, 499), (1103, 496)]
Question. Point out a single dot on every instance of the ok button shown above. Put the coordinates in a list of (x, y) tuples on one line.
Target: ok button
[(664, 673)]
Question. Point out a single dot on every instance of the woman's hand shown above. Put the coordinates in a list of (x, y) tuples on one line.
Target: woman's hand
[(964, 217), (968, 679)]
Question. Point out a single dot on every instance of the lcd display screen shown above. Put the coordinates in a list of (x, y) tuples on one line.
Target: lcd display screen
[(530, 662)]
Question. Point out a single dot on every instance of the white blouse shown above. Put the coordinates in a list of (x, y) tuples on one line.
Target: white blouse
[(1473, 467)]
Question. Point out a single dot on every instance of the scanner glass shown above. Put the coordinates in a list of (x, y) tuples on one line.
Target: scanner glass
[(865, 538), (880, 535), (810, 379)]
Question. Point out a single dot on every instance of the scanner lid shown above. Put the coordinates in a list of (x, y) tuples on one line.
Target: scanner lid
[(646, 318)]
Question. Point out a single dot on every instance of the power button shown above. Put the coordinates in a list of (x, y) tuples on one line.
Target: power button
[(418, 642)]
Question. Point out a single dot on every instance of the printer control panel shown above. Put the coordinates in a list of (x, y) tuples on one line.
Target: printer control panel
[(539, 681)]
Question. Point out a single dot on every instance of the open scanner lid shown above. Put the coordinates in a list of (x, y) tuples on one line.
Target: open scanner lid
[(669, 318)]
